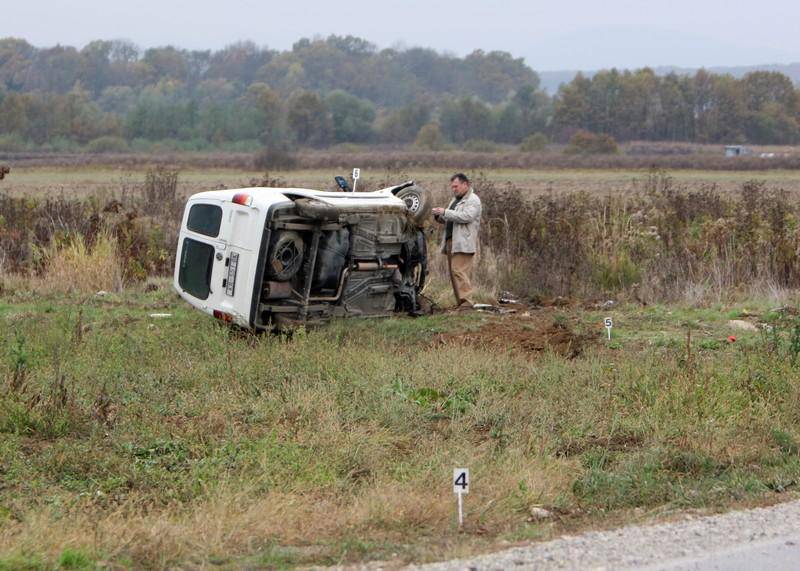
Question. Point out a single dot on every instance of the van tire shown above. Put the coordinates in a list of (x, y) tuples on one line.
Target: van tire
[(285, 256), (418, 203)]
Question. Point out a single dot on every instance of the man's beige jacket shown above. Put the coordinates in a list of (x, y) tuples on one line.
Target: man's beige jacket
[(466, 218)]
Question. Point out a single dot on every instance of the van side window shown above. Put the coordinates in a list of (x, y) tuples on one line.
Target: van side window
[(205, 219)]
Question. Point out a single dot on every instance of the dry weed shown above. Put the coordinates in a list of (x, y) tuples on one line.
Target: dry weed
[(75, 267)]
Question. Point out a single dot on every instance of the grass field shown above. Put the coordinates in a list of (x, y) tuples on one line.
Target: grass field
[(137, 441), (88, 180), (133, 440)]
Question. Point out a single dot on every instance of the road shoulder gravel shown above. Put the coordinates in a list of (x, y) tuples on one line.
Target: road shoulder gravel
[(745, 539), (648, 547)]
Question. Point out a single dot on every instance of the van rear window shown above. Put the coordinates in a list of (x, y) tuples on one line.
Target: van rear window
[(205, 219), (197, 260)]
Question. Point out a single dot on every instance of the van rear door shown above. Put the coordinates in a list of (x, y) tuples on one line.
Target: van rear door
[(242, 230), (198, 269)]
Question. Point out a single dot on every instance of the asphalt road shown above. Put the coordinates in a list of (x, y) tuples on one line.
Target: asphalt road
[(781, 554)]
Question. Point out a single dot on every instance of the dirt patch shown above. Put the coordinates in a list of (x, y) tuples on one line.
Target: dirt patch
[(521, 336)]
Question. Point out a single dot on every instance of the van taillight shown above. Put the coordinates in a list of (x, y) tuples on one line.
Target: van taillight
[(222, 316), (242, 198)]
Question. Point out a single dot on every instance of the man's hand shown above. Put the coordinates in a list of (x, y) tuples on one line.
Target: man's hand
[(438, 211)]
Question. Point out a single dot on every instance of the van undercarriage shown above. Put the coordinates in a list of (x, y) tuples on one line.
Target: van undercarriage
[(319, 262)]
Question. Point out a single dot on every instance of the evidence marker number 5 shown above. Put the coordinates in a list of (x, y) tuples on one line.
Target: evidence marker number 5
[(609, 324)]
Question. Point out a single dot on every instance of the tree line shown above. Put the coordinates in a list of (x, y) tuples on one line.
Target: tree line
[(111, 95)]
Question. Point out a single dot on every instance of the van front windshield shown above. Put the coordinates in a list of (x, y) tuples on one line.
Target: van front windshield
[(197, 260)]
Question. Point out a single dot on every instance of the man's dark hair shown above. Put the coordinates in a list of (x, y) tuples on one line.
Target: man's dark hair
[(459, 176)]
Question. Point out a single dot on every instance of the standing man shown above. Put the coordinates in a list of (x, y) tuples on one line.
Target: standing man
[(462, 220)]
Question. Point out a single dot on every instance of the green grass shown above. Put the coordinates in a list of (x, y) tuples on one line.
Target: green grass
[(174, 442)]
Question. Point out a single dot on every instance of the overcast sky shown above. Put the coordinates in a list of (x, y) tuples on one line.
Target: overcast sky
[(579, 34)]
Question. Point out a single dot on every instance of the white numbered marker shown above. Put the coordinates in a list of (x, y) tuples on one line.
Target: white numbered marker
[(609, 324), (460, 487), (461, 481), (356, 174)]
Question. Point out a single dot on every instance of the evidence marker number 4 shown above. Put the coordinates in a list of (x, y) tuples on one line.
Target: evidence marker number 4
[(461, 480), (460, 487)]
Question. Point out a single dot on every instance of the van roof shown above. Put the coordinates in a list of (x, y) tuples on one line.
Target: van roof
[(267, 196)]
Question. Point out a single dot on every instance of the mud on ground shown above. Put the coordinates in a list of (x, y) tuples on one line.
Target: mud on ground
[(527, 335)]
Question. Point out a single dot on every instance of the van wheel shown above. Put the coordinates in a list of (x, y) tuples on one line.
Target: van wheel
[(418, 202), (286, 256)]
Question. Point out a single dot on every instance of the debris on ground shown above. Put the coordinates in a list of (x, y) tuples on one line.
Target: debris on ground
[(508, 298), (160, 315), (538, 514), (488, 307), (788, 310), (558, 301), (742, 324), (4, 170), (520, 336), (599, 304)]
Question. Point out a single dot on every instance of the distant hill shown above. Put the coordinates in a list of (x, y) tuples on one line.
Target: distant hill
[(552, 79)]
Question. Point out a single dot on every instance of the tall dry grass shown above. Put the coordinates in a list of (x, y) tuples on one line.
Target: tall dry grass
[(142, 219), (654, 243), (661, 241), (74, 267)]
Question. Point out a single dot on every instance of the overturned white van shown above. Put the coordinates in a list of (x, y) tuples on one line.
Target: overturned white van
[(265, 257)]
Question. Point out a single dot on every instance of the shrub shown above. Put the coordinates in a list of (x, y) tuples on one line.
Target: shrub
[(74, 266), (12, 143), (243, 146), (348, 148), (160, 189), (193, 144), (481, 146), (430, 137), (657, 242), (143, 220), (274, 158), (586, 143), (534, 143), (107, 144), (72, 558), (60, 145)]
